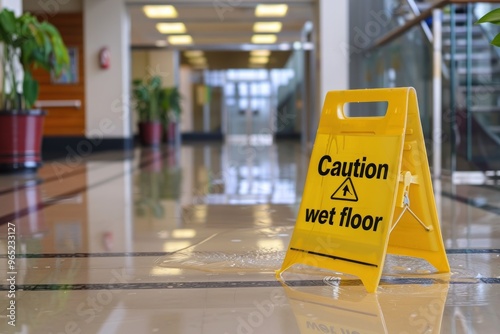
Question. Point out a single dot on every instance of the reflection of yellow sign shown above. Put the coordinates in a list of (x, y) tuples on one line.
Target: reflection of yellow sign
[(350, 310), (368, 179)]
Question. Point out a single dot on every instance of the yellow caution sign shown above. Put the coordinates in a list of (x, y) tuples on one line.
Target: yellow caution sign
[(368, 190)]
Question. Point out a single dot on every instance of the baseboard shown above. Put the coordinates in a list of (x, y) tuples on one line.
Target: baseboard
[(60, 146), (288, 136), (201, 136)]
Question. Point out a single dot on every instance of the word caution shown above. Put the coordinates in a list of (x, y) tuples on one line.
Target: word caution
[(357, 168)]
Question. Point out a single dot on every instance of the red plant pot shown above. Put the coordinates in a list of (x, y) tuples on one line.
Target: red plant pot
[(21, 139), (150, 133)]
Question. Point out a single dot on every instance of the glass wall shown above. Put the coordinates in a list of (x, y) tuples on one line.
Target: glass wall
[(406, 61), (244, 102)]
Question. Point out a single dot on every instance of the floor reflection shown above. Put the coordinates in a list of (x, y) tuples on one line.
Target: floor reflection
[(337, 309), (188, 241)]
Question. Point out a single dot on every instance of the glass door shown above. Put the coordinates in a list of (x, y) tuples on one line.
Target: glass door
[(249, 111)]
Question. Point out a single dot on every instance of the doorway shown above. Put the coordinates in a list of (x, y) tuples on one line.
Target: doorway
[(249, 105)]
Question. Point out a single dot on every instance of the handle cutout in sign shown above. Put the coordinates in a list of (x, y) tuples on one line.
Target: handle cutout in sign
[(365, 109)]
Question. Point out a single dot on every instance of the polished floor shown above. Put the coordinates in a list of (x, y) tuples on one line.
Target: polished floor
[(187, 241)]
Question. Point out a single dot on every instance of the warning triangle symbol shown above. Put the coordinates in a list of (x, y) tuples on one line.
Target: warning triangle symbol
[(346, 191)]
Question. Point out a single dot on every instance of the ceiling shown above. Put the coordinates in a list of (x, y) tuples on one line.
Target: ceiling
[(222, 28), (219, 26)]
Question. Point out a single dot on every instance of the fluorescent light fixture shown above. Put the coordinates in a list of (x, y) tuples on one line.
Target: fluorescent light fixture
[(198, 61), (161, 43), (180, 39), (193, 53), (171, 28), (271, 10), (259, 60), (160, 11), (267, 27), (264, 39), (261, 53)]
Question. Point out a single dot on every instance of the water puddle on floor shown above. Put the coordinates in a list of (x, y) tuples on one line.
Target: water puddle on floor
[(243, 250), (262, 250)]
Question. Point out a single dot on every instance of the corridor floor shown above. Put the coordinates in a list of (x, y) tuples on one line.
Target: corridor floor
[(188, 241)]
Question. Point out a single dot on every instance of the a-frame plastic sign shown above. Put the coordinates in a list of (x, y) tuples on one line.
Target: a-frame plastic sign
[(368, 190)]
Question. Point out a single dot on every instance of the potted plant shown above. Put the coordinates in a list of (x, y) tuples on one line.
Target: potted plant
[(171, 107), (148, 95), (26, 43)]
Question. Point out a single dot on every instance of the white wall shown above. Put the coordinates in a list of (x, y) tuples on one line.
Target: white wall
[(140, 63), (14, 5), (164, 64), (185, 86), (106, 24)]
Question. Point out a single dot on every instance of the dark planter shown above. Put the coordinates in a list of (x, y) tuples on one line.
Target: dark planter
[(173, 135), (150, 133), (21, 140)]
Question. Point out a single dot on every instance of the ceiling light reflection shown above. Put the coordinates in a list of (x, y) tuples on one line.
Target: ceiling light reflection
[(172, 246), (184, 233)]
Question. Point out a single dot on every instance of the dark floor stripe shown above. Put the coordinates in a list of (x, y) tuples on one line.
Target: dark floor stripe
[(237, 284), (146, 254), (42, 205), (84, 255), (473, 251)]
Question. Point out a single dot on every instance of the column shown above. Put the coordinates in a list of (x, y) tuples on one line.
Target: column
[(333, 34), (108, 112)]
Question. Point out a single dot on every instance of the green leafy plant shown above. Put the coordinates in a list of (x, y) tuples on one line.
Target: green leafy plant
[(492, 17), (28, 43), (155, 103), (148, 95), (171, 103)]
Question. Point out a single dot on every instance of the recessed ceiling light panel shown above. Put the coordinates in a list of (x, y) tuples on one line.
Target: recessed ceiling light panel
[(171, 28), (267, 27), (277, 10), (160, 11), (180, 39), (264, 39), (161, 43)]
